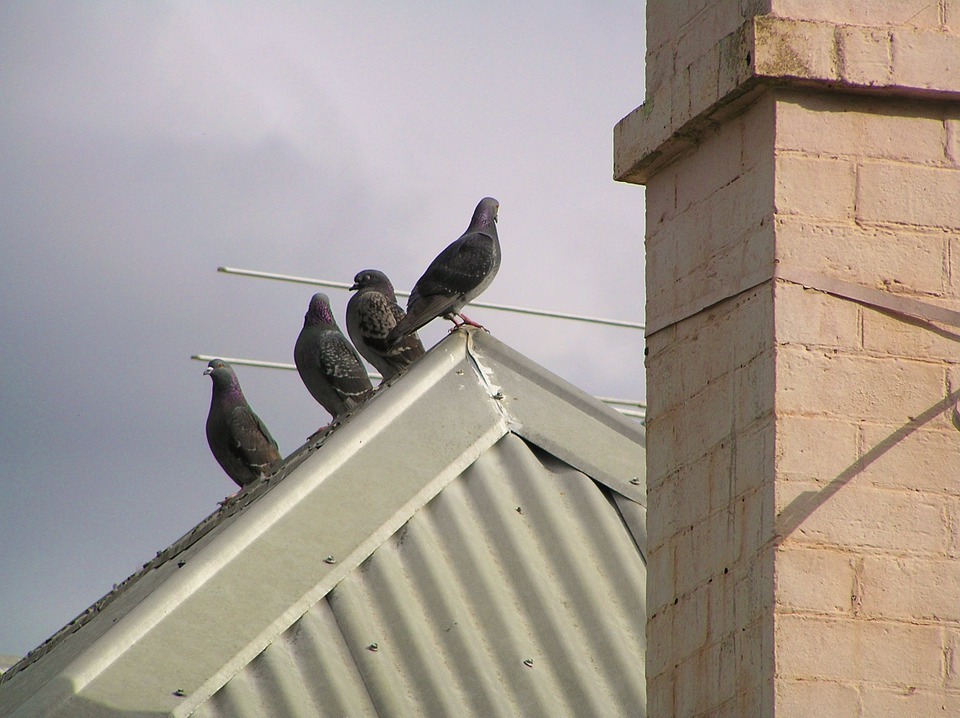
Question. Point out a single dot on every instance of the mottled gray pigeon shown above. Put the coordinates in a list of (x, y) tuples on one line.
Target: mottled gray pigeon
[(457, 276), (330, 368), (371, 313), (238, 438)]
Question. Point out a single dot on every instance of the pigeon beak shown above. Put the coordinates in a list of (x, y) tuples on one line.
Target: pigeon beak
[(356, 285), (208, 370)]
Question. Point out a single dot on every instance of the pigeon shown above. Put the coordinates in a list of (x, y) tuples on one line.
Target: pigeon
[(371, 313), (457, 276), (329, 366), (239, 440)]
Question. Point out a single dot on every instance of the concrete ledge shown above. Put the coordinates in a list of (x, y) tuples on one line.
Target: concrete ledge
[(775, 51)]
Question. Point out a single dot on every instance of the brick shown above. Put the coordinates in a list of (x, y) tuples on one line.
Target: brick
[(705, 421), (660, 653), (909, 701), (658, 67), (679, 88), (660, 694), (716, 469), (802, 699), (703, 552), (952, 127), (661, 198), (704, 30), (660, 577), (926, 59), (815, 187), (859, 517), (875, 256), (924, 459), (814, 447), (690, 624), (705, 356), (901, 336), (858, 387), (759, 136), (662, 444), (866, 55), (754, 523), (911, 588), (916, 13), (753, 461), (816, 580), (819, 124), (740, 206), (704, 73), (720, 611), (679, 501), (754, 390), (685, 232), (702, 671), (691, 495), (755, 659), (815, 319), (953, 524), (752, 590), (908, 194), (715, 164), (834, 649), (785, 47), (752, 316), (951, 655)]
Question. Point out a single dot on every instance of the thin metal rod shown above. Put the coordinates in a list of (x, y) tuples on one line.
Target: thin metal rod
[(373, 375), (485, 305), (621, 402), (261, 363)]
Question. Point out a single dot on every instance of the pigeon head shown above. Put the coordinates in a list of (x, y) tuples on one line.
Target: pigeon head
[(319, 311), (371, 278), (222, 374), (485, 215)]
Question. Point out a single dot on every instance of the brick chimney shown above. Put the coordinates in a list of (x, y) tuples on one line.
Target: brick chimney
[(802, 168)]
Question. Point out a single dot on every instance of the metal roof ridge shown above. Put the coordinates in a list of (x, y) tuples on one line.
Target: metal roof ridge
[(334, 502)]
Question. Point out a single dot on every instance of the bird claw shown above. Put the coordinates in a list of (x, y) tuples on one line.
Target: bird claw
[(322, 430), (465, 321)]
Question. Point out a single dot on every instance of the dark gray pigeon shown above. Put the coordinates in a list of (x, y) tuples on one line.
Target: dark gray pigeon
[(371, 313), (457, 276), (330, 368), (238, 438)]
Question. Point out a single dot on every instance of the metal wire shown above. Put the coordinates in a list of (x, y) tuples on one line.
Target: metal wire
[(639, 412), (485, 305)]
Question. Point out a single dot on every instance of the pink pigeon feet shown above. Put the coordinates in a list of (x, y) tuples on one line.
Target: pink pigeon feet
[(467, 322)]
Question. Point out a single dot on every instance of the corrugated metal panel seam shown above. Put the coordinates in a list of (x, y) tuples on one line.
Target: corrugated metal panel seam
[(518, 590)]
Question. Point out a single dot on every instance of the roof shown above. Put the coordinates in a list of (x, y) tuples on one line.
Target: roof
[(468, 542)]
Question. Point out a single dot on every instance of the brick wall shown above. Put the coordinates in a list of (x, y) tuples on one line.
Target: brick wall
[(802, 477), (867, 484)]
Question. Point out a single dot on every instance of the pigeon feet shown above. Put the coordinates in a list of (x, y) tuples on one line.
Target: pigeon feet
[(465, 322), (319, 432)]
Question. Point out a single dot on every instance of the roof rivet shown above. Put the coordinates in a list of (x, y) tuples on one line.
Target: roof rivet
[(498, 396), (373, 647), (635, 481), (528, 662), (179, 693), (329, 559)]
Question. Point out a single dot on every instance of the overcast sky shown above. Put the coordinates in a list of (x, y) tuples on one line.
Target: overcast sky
[(144, 144)]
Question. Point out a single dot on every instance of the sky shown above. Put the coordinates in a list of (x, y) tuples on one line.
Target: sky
[(142, 145)]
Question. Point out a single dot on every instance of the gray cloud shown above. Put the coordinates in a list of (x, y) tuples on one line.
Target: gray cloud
[(143, 145)]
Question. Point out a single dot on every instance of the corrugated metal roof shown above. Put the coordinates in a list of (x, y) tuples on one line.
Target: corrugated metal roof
[(468, 543)]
